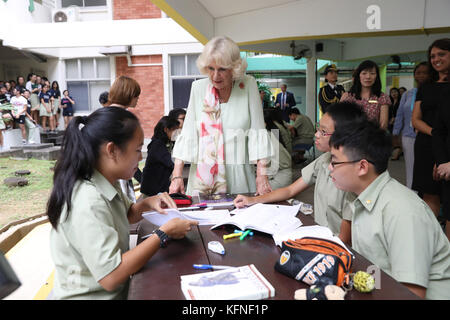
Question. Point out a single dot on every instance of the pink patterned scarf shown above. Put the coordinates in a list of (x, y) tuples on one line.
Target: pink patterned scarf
[(211, 160)]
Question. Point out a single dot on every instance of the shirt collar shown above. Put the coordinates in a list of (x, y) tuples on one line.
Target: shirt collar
[(370, 195), (103, 185)]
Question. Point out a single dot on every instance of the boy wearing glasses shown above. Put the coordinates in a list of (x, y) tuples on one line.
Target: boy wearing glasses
[(329, 202), (391, 226)]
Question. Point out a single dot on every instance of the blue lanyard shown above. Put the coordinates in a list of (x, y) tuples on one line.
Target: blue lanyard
[(413, 98)]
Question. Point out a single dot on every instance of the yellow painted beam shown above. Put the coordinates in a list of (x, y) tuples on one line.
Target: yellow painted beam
[(172, 13)]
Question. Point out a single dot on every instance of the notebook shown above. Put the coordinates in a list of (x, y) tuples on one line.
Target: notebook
[(267, 218), (240, 283)]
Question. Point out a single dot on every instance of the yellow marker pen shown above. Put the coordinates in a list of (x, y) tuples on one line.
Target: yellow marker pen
[(232, 235)]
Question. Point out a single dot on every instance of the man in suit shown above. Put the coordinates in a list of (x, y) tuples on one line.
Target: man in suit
[(285, 100), (331, 92)]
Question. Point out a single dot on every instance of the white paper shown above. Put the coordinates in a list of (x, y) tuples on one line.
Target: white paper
[(204, 217), (207, 217), (266, 218), (159, 219)]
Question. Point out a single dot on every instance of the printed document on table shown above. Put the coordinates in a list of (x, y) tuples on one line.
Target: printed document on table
[(204, 217), (239, 283), (266, 218)]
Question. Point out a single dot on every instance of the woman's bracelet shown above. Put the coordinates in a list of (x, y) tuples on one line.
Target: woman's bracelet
[(177, 177)]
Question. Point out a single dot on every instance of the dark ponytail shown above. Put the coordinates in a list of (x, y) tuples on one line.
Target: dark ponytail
[(80, 151)]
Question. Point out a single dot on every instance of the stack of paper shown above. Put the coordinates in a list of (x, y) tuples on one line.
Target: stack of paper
[(204, 217), (267, 218), (240, 283)]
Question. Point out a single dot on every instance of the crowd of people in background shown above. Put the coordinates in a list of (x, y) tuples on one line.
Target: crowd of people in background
[(36, 102)]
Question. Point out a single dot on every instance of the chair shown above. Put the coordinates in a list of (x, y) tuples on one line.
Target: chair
[(307, 148)]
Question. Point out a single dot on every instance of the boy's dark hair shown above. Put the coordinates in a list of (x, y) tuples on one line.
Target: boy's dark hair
[(365, 140), (346, 113), (163, 123), (269, 119), (356, 87), (103, 98), (175, 113), (293, 110), (80, 152)]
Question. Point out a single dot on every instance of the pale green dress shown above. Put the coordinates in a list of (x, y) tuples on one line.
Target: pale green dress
[(245, 138)]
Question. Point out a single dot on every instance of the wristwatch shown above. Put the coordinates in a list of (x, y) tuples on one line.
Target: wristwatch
[(163, 237)]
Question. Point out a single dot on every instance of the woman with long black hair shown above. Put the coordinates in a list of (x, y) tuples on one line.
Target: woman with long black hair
[(159, 164), (440, 60), (89, 213), (429, 97), (366, 92)]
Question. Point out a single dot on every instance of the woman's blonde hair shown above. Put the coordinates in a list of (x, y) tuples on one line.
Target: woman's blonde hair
[(225, 53), (123, 90)]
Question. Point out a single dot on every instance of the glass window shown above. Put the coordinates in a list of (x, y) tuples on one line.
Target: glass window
[(87, 69), (181, 90), (78, 90), (83, 3), (95, 89), (103, 68), (177, 65), (89, 84), (68, 3), (72, 69), (191, 64), (94, 3)]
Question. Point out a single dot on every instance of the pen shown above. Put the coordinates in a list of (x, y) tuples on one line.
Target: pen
[(242, 237), (210, 266), (237, 231), (232, 235), (188, 208)]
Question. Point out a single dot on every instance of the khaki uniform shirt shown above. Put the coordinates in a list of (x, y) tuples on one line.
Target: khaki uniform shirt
[(394, 229), (280, 170), (330, 204), (89, 242), (305, 130)]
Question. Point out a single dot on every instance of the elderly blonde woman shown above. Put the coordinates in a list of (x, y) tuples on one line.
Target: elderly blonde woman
[(223, 135)]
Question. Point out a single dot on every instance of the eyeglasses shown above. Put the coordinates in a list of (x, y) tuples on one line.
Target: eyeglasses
[(334, 163), (323, 133)]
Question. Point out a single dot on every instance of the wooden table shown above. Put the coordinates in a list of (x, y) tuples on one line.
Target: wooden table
[(159, 279)]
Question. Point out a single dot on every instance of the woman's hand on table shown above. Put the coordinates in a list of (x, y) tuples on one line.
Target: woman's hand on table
[(177, 228), (262, 185)]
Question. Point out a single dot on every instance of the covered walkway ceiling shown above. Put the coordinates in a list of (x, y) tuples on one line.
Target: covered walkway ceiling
[(329, 29)]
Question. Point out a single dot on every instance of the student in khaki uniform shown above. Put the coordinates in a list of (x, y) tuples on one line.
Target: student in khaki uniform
[(329, 202), (89, 213), (302, 132), (391, 226)]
